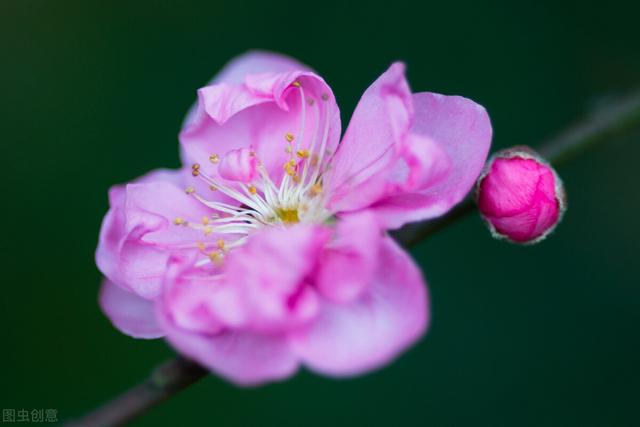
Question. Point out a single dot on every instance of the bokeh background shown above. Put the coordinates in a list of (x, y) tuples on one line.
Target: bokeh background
[(93, 94)]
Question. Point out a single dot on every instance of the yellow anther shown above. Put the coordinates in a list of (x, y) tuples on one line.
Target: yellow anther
[(195, 169), (303, 154), (201, 246), (296, 178), (178, 221), (214, 158), (295, 84), (288, 149), (207, 230), (205, 220), (220, 244), (316, 188), (253, 189), (290, 171), (190, 190), (214, 256), (325, 97), (213, 188), (289, 137), (290, 164)]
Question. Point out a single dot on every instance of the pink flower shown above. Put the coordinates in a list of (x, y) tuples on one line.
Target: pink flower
[(276, 254), (520, 196)]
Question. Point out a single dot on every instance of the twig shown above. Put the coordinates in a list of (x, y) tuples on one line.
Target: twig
[(165, 381), (178, 374)]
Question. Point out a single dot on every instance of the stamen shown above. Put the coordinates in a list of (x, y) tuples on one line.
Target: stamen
[(233, 193), (316, 189), (215, 257), (261, 202)]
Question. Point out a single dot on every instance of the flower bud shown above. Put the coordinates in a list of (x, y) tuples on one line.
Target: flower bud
[(520, 196)]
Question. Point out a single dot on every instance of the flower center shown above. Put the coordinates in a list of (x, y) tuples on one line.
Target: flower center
[(256, 200), (288, 216)]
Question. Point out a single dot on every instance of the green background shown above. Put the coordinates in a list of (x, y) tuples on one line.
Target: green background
[(93, 93)]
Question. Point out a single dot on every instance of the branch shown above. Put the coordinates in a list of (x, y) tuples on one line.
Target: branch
[(165, 381), (614, 120)]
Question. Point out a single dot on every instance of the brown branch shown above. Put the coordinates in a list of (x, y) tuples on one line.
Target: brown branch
[(165, 381), (178, 374)]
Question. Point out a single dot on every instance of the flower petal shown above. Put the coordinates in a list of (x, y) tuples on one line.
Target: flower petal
[(349, 339), (365, 157), (252, 62), (244, 358), (129, 313), (138, 233), (269, 275), (257, 62), (266, 113), (348, 264), (462, 130)]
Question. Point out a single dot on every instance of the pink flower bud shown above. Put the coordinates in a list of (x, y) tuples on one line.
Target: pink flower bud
[(520, 196), (238, 165)]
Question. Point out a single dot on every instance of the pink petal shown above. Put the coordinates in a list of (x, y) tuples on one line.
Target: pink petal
[(112, 230), (462, 130), (348, 264), (190, 300), (252, 62), (244, 358), (239, 165), (426, 162), (269, 275), (349, 339), (256, 62), (129, 313), (258, 115), (138, 233), (198, 298), (364, 159)]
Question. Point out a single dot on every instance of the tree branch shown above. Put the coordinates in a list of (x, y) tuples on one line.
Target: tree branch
[(168, 379), (164, 381)]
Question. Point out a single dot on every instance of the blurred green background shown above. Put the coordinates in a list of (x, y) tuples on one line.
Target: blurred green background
[(94, 92)]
